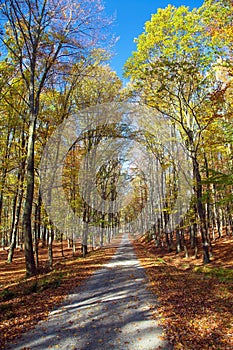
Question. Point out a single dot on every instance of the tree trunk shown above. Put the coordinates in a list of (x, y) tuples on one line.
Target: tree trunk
[(27, 228), (37, 228), (201, 211), (43, 244), (84, 238), (193, 237), (178, 241), (18, 200), (15, 226), (13, 232), (50, 248)]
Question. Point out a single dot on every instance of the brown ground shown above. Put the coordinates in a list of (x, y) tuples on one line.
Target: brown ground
[(195, 301), (23, 302)]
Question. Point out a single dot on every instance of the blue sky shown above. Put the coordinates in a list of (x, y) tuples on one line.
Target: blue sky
[(131, 16)]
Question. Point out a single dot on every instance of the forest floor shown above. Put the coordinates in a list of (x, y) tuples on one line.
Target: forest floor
[(24, 302), (195, 301), (112, 309)]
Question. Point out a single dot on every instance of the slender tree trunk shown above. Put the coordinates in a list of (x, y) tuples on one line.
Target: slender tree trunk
[(201, 211), (44, 236), (27, 227), (14, 208), (15, 226), (74, 246), (84, 238), (37, 228), (50, 248), (178, 241), (38, 217), (19, 199), (102, 230), (193, 235), (184, 242), (2, 185)]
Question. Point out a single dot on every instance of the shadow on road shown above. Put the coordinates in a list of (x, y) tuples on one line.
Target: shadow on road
[(111, 310)]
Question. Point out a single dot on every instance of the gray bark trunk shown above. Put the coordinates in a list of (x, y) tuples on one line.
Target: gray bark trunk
[(27, 229)]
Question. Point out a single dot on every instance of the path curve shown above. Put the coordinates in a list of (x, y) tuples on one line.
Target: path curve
[(111, 310)]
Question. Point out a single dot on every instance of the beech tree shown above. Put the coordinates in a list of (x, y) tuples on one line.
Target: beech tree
[(173, 72), (41, 37)]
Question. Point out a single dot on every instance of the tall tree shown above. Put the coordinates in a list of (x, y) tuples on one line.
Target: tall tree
[(41, 38), (172, 71)]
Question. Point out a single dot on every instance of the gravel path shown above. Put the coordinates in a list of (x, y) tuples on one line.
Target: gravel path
[(112, 310)]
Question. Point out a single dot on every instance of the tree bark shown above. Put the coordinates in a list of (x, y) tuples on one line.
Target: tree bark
[(28, 243), (201, 211), (15, 226), (50, 248)]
